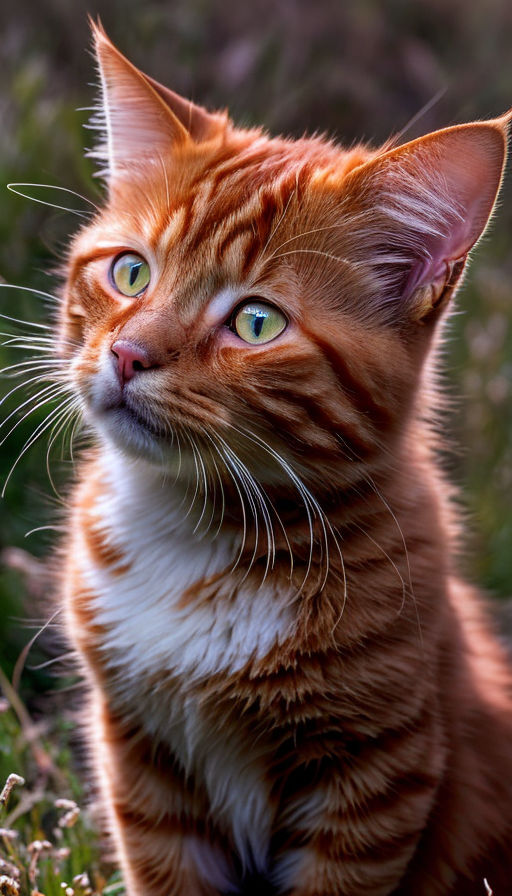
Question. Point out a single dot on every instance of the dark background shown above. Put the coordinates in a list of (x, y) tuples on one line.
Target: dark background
[(352, 70)]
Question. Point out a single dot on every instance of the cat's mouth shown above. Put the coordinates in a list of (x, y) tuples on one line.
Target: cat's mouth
[(134, 428), (142, 420)]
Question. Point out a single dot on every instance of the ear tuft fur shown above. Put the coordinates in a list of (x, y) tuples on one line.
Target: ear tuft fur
[(137, 118)]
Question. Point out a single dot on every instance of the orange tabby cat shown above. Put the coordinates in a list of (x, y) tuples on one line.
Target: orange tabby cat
[(291, 690)]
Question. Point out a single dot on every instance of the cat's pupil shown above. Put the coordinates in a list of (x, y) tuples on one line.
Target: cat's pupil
[(257, 324), (134, 272)]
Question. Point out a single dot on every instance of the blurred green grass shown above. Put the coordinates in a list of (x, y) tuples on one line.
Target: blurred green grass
[(360, 70), (48, 843)]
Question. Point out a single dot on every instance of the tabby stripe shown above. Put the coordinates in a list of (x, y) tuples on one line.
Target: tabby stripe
[(340, 841), (102, 552), (221, 209), (225, 166), (187, 207), (174, 824), (239, 229), (209, 223), (355, 434), (380, 415)]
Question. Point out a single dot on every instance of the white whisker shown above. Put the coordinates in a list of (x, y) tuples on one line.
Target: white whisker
[(311, 506), (386, 555), (71, 654), (16, 320), (39, 378), (56, 430), (303, 233), (32, 364), (50, 392), (20, 662), (74, 211), (281, 219), (196, 466), (40, 429), (237, 467), (205, 484), (48, 528), (219, 479), (296, 481), (232, 472), (406, 552), (74, 431), (345, 261)]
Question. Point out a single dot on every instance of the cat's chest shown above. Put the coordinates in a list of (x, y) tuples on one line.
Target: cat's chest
[(167, 597), (165, 636)]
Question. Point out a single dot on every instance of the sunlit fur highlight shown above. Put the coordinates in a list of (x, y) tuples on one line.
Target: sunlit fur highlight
[(288, 683)]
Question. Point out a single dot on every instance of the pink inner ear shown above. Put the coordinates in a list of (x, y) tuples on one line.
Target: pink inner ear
[(441, 252), (438, 193)]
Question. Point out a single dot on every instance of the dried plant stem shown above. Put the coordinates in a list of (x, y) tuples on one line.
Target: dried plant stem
[(12, 781), (42, 758)]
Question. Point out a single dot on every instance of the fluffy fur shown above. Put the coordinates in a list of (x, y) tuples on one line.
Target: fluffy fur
[(291, 689)]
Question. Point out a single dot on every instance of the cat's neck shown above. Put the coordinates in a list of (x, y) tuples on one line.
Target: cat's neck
[(374, 573), (393, 518)]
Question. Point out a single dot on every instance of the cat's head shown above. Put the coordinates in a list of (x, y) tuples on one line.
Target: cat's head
[(263, 305)]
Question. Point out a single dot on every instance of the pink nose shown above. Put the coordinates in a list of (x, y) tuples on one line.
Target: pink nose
[(131, 358)]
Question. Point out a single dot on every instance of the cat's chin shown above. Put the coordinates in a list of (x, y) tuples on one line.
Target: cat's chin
[(135, 436)]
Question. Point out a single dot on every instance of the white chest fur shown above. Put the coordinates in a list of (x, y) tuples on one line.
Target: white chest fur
[(150, 633), (149, 625)]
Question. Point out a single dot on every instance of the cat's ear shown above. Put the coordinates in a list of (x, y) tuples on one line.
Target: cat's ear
[(422, 207), (138, 118)]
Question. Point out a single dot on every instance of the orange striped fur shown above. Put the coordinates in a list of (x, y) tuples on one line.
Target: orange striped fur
[(291, 690)]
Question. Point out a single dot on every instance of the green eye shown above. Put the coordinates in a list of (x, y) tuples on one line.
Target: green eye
[(130, 274), (258, 323)]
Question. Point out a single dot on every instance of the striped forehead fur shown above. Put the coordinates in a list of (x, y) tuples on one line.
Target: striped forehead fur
[(379, 233)]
